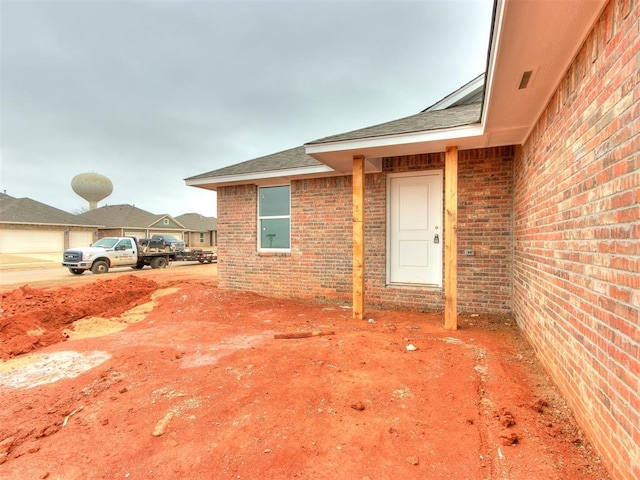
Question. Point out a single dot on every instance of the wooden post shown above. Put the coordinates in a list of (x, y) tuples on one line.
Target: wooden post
[(451, 239), (358, 237)]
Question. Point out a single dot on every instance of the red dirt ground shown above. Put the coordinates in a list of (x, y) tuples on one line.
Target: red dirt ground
[(197, 387)]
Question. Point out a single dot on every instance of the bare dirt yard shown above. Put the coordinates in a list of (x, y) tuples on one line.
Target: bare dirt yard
[(153, 375)]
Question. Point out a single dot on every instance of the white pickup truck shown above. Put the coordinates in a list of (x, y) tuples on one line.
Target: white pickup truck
[(115, 252), (155, 252)]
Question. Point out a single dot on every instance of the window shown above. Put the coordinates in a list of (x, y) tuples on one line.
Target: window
[(165, 221), (106, 242), (274, 218), (124, 244), (202, 238)]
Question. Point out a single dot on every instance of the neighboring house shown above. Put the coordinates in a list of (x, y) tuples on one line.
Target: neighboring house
[(201, 230), (121, 220), (525, 203), (28, 226)]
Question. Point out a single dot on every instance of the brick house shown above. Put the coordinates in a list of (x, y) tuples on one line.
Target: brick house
[(28, 226), (129, 220), (516, 194), (202, 232)]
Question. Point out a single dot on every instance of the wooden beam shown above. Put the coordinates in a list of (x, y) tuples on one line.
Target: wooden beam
[(358, 237), (451, 239)]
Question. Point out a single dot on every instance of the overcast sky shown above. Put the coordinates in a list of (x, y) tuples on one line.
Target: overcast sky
[(149, 92)]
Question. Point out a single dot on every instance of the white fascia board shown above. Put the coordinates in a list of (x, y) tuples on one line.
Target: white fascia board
[(493, 54), (473, 130), (252, 177), (457, 96)]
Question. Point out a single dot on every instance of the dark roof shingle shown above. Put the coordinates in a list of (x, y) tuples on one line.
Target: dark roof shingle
[(117, 216), (465, 112), (26, 210), (292, 158), (198, 223), (424, 121)]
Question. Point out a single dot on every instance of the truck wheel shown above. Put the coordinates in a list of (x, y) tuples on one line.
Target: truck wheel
[(100, 267), (159, 262), (76, 271)]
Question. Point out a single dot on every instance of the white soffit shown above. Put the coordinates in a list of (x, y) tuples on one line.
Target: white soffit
[(537, 36), (339, 155)]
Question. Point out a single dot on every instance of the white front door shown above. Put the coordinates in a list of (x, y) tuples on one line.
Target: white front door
[(415, 228)]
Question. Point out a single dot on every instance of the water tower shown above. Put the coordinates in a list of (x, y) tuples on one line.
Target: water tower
[(93, 187)]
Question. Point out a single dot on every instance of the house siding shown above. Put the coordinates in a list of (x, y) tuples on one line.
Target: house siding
[(161, 225), (319, 265), (192, 239), (576, 229)]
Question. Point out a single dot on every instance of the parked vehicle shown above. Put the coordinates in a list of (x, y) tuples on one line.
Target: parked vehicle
[(126, 252), (168, 243)]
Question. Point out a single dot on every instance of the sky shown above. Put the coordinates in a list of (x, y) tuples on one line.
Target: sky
[(150, 92)]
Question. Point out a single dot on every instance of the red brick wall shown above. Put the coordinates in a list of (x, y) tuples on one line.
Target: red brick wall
[(484, 225), (109, 232), (320, 263), (576, 230), (485, 222)]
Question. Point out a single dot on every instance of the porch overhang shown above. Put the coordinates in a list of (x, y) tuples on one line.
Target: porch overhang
[(532, 44), (339, 155)]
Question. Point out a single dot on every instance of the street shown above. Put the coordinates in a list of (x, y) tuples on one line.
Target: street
[(56, 276)]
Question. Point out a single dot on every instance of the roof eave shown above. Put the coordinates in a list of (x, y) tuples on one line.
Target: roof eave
[(339, 155), (458, 95), (18, 222), (523, 33), (258, 178), (139, 227)]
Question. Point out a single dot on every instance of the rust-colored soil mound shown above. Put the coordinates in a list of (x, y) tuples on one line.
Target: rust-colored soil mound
[(32, 318)]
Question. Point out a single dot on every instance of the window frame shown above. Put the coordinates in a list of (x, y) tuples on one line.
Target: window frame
[(259, 219), (124, 242)]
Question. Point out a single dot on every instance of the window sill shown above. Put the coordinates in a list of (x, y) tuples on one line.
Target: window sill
[(416, 286), (286, 253)]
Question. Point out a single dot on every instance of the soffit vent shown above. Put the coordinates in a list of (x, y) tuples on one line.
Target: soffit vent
[(524, 81)]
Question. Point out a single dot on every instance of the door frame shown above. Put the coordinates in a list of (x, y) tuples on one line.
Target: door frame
[(434, 172)]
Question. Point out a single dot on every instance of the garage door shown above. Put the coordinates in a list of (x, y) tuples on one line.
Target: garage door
[(177, 235), (135, 233), (80, 239), (31, 241)]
